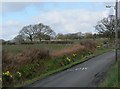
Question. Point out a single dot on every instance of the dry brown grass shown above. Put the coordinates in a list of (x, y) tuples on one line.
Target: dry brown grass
[(89, 44), (31, 55), (27, 56), (68, 51), (7, 60)]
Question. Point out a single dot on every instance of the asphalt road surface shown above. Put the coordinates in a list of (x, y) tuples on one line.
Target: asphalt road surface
[(87, 74)]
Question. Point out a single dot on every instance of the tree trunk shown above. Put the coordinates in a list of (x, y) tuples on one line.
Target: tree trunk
[(30, 38), (40, 39)]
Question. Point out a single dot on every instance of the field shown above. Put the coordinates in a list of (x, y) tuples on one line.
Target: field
[(19, 48)]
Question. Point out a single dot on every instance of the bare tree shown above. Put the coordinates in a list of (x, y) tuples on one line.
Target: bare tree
[(28, 32), (105, 27), (43, 31), (39, 31), (49, 32)]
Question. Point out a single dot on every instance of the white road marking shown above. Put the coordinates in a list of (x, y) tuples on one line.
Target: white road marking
[(77, 69)]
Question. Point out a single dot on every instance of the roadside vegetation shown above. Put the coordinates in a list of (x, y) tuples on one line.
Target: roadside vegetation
[(40, 61), (112, 77)]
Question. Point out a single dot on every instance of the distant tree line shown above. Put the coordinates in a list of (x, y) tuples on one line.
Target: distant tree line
[(74, 36), (40, 32)]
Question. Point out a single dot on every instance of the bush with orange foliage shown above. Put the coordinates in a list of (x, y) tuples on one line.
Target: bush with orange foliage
[(89, 44), (31, 55), (68, 51), (28, 56), (84, 45)]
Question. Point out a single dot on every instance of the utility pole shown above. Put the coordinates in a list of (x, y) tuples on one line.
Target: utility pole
[(116, 31)]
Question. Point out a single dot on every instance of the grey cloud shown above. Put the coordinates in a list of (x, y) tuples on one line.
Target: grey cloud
[(18, 6)]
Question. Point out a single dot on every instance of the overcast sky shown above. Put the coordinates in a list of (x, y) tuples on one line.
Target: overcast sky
[(62, 17)]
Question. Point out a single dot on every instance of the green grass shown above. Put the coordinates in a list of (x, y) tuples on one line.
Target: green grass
[(19, 48), (112, 78), (56, 70)]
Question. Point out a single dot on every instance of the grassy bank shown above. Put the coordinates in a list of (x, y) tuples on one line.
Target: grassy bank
[(112, 79), (25, 64), (57, 70)]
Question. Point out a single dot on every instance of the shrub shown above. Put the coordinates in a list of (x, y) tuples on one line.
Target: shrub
[(31, 55), (68, 51), (27, 43), (7, 60), (89, 44), (24, 65), (11, 62)]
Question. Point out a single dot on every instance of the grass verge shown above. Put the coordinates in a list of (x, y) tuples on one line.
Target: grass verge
[(112, 79), (28, 82)]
